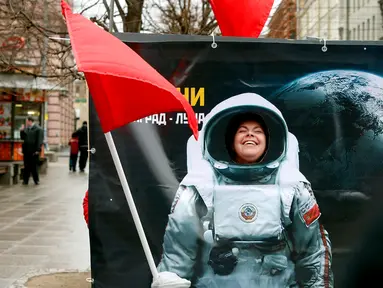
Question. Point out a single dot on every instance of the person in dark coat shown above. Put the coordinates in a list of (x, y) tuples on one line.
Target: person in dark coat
[(33, 136), (82, 135)]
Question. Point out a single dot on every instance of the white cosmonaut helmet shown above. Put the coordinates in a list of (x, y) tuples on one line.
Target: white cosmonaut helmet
[(218, 132)]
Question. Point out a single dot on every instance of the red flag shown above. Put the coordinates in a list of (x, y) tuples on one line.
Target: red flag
[(242, 18), (85, 206), (123, 86)]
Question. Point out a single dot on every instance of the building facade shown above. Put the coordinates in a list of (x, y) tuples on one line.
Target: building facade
[(28, 52), (66, 113), (81, 102), (365, 22), (340, 19), (60, 119), (283, 23)]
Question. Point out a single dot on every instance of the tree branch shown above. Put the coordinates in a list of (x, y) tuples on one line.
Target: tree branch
[(119, 8), (99, 23), (89, 7), (41, 30)]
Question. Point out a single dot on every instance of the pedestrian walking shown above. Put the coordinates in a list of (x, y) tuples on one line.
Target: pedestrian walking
[(82, 135), (32, 135), (74, 148)]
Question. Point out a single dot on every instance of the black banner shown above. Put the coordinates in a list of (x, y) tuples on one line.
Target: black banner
[(332, 102)]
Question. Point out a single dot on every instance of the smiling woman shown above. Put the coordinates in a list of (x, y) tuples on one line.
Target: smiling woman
[(247, 137), (237, 214)]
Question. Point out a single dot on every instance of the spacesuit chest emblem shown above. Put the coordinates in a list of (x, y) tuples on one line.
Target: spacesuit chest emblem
[(248, 213)]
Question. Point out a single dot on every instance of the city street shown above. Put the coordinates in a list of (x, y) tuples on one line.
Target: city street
[(42, 228)]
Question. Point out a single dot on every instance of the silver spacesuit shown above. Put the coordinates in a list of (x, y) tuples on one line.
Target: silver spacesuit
[(253, 225)]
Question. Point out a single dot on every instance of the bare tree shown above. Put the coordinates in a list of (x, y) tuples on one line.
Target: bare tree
[(160, 16), (180, 17), (30, 32), (128, 13)]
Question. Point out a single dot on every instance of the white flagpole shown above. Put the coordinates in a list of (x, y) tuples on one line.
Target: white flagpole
[(132, 206)]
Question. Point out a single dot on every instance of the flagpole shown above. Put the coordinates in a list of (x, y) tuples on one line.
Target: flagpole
[(132, 206)]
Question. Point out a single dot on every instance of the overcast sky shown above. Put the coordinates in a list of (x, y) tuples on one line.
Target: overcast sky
[(99, 9)]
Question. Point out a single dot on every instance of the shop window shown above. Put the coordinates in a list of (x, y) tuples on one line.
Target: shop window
[(16, 104), (5, 120)]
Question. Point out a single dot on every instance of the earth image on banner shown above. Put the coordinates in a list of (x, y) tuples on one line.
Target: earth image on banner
[(337, 116)]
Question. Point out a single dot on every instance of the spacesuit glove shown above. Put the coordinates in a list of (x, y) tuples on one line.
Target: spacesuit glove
[(170, 280)]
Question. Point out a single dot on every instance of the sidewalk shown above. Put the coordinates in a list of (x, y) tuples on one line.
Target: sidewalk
[(42, 227)]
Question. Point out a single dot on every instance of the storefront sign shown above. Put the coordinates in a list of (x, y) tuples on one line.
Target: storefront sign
[(12, 43), (5, 120), (80, 100)]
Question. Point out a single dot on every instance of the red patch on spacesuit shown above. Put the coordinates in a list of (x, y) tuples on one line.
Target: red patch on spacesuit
[(312, 215)]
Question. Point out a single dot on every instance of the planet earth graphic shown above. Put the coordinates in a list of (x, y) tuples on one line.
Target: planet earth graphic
[(337, 117)]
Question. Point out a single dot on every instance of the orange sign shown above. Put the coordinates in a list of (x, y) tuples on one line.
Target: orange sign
[(13, 42)]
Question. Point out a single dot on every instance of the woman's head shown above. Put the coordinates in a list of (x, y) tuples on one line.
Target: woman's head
[(247, 138)]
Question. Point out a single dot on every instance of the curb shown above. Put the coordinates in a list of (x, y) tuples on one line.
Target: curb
[(34, 273)]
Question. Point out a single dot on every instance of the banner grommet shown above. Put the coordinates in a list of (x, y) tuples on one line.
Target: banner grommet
[(92, 150), (214, 44), (89, 280), (324, 47)]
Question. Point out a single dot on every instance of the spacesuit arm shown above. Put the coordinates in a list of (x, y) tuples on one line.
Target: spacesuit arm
[(182, 233), (312, 246)]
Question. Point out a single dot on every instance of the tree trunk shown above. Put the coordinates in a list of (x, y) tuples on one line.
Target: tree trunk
[(133, 20)]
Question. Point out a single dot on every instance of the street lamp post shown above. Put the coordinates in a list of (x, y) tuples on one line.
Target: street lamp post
[(111, 14), (348, 20), (44, 73)]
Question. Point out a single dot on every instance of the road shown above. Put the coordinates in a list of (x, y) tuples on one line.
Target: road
[(42, 227)]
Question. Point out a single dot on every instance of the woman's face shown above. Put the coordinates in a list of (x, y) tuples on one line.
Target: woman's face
[(249, 142)]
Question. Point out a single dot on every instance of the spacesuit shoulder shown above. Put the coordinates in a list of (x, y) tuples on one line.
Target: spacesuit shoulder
[(202, 182), (287, 198), (185, 197), (288, 174), (308, 208)]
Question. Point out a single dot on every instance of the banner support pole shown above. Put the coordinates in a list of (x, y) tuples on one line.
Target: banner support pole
[(132, 206)]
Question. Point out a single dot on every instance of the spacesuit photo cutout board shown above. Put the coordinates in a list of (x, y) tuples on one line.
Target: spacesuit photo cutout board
[(332, 106)]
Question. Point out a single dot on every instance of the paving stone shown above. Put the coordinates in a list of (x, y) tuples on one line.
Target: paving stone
[(12, 236), (5, 245), (16, 213), (22, 260), (13, 272), (19, 230), (30, 250), (6, 282)]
